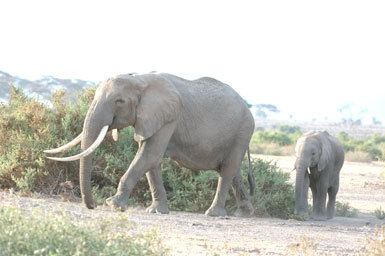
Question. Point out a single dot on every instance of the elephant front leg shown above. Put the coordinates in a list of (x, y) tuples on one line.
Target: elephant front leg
[(319, 209), (127, 183), (148, 157), (158, 192), (332, 192)]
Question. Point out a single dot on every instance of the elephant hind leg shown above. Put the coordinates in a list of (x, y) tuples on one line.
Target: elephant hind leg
[(244, 206), (229, 169), (158, 192)]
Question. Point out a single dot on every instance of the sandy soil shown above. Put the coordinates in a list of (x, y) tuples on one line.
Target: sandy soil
[(195, 234)]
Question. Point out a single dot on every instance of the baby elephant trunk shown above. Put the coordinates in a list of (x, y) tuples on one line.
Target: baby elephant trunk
[(301, 188)]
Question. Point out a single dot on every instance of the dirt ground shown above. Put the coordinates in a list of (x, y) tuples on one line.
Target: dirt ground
[(195, 234)]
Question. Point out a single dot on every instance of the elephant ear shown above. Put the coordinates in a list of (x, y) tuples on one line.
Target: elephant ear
[(326, 151), (159, 104)]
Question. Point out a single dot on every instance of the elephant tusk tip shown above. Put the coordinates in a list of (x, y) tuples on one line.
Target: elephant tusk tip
[(115, 135), (51, 158), (59, 159)]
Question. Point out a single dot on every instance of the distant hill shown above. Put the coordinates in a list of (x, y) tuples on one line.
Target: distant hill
[(42, 88)]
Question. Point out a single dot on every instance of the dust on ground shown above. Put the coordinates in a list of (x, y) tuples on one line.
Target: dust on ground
[(196, 234)]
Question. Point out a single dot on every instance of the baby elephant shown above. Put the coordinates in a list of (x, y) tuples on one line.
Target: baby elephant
[(320, 157)]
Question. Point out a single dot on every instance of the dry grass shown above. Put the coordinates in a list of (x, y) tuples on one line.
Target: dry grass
[(358, 156), (271, 149), (375, 244), (303, 247)]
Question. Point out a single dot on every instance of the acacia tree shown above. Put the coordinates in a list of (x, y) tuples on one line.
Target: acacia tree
[(261, 110)]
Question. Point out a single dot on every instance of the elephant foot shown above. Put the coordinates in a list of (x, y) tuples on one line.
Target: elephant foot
[(330, 214), (158, 207), (117, 203), (216, 211), (246, 210)]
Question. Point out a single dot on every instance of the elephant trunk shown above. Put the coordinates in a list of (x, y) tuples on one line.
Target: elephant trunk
[(85, 181), (92, 130), (301, 187)]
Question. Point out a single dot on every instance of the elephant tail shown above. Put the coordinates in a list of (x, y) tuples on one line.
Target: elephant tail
[(250, 175)]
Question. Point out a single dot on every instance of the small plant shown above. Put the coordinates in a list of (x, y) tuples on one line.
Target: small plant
[(303, 247), (380, 214), (376, 244), (345, 210)]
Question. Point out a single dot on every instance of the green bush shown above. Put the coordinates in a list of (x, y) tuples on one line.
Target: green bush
[(290, 129), (279, 142), (45, 233), (28, 127), (273, 195), (374, 145), (345, 210), (279, 138), (380, 214)]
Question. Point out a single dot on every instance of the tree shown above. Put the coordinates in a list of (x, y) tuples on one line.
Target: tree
[(247, 103), (350, 117), (261, 110)]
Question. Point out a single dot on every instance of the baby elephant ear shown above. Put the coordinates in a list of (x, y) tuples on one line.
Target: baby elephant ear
[(326, 151), (159, 104)]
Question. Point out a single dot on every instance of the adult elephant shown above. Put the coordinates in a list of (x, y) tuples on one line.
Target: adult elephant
[(201, 124), (320, 157)]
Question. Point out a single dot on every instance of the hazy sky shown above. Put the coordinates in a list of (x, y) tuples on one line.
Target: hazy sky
[(308, 58)]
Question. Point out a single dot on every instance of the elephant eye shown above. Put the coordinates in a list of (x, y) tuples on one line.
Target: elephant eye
[(120, 101), (313, 154)]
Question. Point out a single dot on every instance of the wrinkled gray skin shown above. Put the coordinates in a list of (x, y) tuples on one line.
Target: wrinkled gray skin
[(201, 124), (323, 155)]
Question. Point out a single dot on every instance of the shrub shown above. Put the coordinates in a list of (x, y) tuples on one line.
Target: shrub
[(279, 138), (380, 214), (273, 195), (271, 149), (374, 145), (280, 142), (28, 127), (45, 233), (345, 210), (290, 129)]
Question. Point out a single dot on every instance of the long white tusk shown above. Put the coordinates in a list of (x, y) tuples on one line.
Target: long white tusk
[(115, 134), (86, 152), (66, 146)]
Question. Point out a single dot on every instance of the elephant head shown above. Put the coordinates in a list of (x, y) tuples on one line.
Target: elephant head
[(313, 151), (146, 102)]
